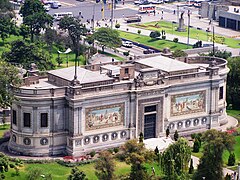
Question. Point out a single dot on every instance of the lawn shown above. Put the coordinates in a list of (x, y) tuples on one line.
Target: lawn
[(170, 28), (60, 172), (4, 128), (154, 43), (234, 113)]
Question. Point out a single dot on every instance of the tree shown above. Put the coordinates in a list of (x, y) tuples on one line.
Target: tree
[(6, 26), (5, 6), (107, 37), (191, 168), (167, 132), (211, 163), (155, 34), (35, 16), (175, 40), (233, 86), (23, 53), (136, 154), (141, 137), (117, 26), (176, 135), (8, 76), (59, 60), (175, 159), (75, 31), (179, 53), (156, 151), (105, 166), (76, 174), (24, 31), (50, 37), (221, 54), (34, 174), (139, 31), (196, 146), (231, 159)]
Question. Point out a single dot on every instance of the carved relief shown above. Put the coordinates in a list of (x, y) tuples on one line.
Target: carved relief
[(114, 136), (104, 116), (43, 141), (188, 103), (96, 139), (27, 141), (105, 137)]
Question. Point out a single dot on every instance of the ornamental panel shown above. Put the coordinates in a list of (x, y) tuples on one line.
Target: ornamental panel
[(188, 103), (104, 116)]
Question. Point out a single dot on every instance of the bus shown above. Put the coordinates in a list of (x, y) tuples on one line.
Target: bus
[(147, 8), (58, 16)]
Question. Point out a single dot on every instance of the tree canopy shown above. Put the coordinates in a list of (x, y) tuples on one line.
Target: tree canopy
[(8, 76), (107, 37), (23, 53), (35, 17), (211, 163)]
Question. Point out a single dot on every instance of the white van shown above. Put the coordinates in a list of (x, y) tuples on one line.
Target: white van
[(147, 8), (58, 16)]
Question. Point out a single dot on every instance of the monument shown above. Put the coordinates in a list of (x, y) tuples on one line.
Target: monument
[(181, 24)]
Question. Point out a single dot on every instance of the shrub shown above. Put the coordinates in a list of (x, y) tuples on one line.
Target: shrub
[(126, 53), (231, 159), (11, 165), (139, 31), (179, 53), (117, 26), (110, 150), (116, 150), (155, 34), (196, 146), (175, 40), (92, 153), (163, 37)]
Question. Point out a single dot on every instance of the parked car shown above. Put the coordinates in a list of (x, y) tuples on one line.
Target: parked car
[(127, 44), (148, 51), (47, 7), (141, 2), (157, 1), (54, 5)]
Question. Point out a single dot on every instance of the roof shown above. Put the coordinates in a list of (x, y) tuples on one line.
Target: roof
[(83, 75), (166, 64)]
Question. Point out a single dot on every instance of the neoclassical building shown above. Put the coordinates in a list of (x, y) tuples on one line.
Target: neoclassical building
[(110, 103)]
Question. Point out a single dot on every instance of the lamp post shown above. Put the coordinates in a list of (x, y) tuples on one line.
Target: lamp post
[(188, 27), (112, 14)]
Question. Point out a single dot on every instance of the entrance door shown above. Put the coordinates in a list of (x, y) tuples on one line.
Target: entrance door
[(149, 126)]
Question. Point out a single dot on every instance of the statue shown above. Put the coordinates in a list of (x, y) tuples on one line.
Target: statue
[(181, 23)]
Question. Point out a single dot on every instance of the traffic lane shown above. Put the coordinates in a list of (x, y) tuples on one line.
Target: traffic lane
[(88, 10), (134, 50)]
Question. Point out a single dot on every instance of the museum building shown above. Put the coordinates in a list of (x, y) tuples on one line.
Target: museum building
[(77, 110)]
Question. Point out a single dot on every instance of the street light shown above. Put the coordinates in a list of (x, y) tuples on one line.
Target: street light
[(173, 22)]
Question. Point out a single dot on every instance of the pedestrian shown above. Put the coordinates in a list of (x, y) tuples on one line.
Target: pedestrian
[(210, 22), (174, 11), (153, 171), (123, 2), (154, 12), (123, 15)]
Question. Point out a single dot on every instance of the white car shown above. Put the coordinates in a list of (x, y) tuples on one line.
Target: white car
[(47, 7), (127, 44), (157, 1)]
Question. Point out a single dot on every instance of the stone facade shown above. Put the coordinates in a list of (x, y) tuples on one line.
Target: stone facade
[(104, 110)]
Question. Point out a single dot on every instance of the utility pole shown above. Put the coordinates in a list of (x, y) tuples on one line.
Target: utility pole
[(112, 14), (188, 27)]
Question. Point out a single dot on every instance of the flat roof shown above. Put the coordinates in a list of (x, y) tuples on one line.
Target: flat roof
[(166, 64), (83, 75)]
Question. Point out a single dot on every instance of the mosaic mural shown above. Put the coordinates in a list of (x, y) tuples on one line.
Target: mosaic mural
[(104, 116), (188, 103)]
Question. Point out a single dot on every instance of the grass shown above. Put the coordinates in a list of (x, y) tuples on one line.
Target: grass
[(157, 44), (234, 113), (236, 151), (170, 28), (112, 55), (4, 128), (60, 172)]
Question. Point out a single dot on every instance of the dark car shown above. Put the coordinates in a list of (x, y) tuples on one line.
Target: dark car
[(148, 51)]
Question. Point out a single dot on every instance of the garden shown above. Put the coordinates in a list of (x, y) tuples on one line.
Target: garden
[(198, 34)]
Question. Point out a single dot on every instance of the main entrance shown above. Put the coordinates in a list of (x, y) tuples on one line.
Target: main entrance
[(150, 126)]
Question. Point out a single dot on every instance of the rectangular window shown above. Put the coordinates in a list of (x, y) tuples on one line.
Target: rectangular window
[(126, 70), (26, 119), (44, 119), (150, 108), (14, 117), (221, 92)]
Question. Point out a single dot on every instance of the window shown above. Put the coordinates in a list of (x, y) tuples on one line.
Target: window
[(14, 117), (44, 119), (221, 92), (26, 119), (150, 108), (126, 70)]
